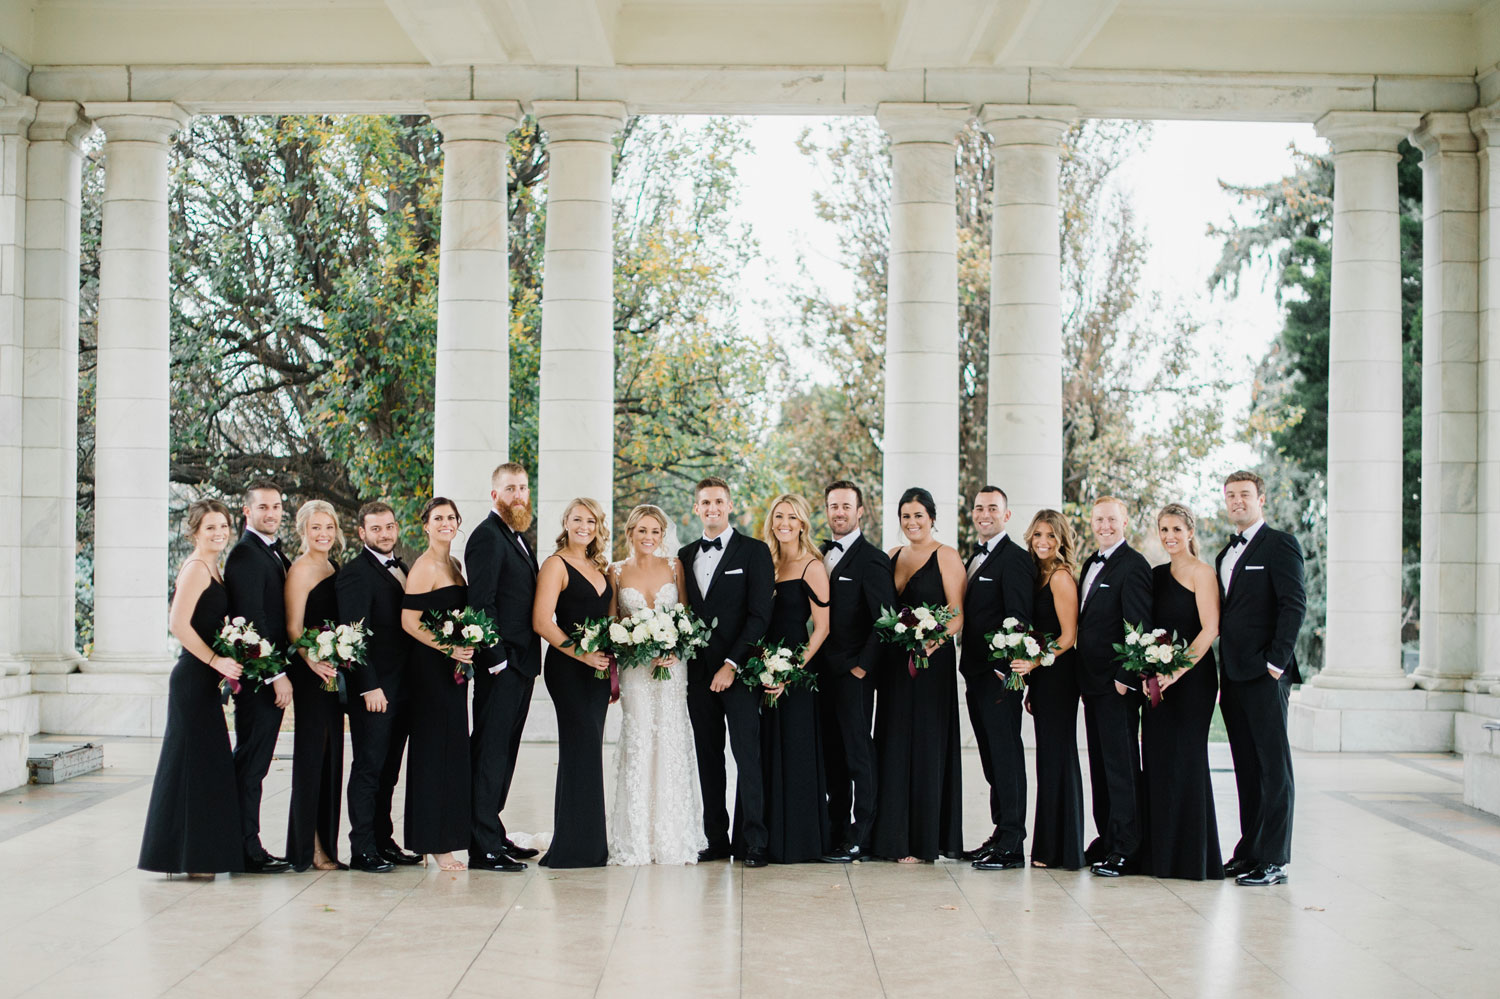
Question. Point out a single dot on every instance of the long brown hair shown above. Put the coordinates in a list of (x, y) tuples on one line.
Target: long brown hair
[(597, 551), (1186, 516), (803, 513), (1067, 546)]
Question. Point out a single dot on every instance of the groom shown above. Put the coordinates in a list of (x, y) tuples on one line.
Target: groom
[(730, 579)]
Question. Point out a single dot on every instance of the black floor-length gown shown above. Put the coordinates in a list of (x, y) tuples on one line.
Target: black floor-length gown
[(317, 745), (437, 750), (193, 820), (919, 810), (581, 701), (1057, 833), (1184, 839), (791, 745)]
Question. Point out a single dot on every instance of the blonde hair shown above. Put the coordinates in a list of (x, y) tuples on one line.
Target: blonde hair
[(1185, 515), (305, 514), (1067, 545), (597, 551), (803, 513), (1124, 508), (640, 513)]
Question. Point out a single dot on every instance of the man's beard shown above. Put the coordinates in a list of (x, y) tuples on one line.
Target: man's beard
[(517, 516)]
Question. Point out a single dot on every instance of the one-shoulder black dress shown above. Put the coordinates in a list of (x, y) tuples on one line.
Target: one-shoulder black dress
[(193, 820), (919, 811), (1184, 837), (581, 701), (317, 745), (437, 750), (791, 744), (1057, 832)]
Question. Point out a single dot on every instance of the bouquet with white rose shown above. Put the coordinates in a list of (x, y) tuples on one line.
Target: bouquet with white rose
[(592, 635), (462, 628), (656, 633), (1152, 655), (258, 658), (777, 666), (1015, 640), (911, 628), (343, 645)]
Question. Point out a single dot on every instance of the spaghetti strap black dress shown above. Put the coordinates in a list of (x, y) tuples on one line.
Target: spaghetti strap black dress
[(317, 745), (1057, 831), (437, 750), (193, 820)]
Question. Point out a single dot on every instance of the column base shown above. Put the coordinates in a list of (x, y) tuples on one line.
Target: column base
[(1439, 681), (132, 704), (18, 723), (1345, 720), (12, 665), (1482, 684), (1481, 749), (67, 662), (130, 663)]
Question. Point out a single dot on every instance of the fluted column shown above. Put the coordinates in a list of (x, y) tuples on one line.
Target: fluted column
[(1025, 450), (131, 435), (1450, 352), (575, 435), (1486, 679), (49, 482), (471, 409), (14, 118), (921, 332)]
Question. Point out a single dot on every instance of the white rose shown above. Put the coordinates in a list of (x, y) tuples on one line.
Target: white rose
[(1014, 641), (473, 632), (923, 614), (250, 637), (346, 653), (900, 628), (639, 634), (1048, 659), (1009, 623), (767, 679), (1131, 638), (617, 633), (1164, 654), (998, 641), (265, 649), (238, 622), (1159, 633), (1032, 648), (325, 645)]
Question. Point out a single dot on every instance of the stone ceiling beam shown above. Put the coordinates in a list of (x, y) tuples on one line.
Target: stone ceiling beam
[(565, 32), (1053, 32), (939, 32), (450, 32)]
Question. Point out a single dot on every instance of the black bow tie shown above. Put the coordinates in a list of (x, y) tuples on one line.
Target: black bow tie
[(394, 563), (980, 548), (1235, 540), (275, 545), (1097, 558), (829, 545), (704, 544)]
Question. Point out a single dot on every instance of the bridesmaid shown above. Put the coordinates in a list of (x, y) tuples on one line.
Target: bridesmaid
[(1052, 697), (920, 789), (790, 737), (193, 821), (437, 750), (312, 826), (1184, 840), (572, 587)]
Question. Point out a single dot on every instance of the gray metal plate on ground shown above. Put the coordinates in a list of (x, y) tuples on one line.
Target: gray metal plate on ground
[(50, 764)]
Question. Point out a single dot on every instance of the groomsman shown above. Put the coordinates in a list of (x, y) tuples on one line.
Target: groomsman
[(370, 587), (255, 576), (1115, 588), (1261, 609), (1002, 584), (731, 578), (860, 585), (502, 583)]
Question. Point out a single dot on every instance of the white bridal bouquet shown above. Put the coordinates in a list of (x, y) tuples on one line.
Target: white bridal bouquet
[(657, 633)]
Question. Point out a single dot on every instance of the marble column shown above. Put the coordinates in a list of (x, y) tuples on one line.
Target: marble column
[(1450, 352), (14, 119), (131, 436), (471, 410), (49, 482), (921, 332), (576, 410), (1486, 679), (1025, 399)]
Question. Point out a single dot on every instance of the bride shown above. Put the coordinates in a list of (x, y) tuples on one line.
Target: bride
[(658, 810)]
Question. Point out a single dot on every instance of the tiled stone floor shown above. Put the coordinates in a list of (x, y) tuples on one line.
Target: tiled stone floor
[(1395, 891)]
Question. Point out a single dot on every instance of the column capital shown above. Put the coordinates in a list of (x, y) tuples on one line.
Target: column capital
[(485, 121), (1027, 124), (580, 121), (1444, 132), (15, 116), (60, 121), (137, 121), (1366, 131), (923, 122), (1485, 124)]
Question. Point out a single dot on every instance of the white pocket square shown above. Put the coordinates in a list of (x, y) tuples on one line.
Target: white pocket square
[(1103, 586), (734, 572), (1252, 568), (846, 579), (985, 579)]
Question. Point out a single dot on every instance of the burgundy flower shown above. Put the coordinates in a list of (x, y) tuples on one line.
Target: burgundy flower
[(908, 618)]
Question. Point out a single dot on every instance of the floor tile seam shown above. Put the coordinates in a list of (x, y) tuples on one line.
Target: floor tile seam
[(635, 877), (1421, 767), (1111, 938), (363, 936), (86, 801), (1447, 800), (848, 870), (1242, 947), (1015, 976), (1379, 810)]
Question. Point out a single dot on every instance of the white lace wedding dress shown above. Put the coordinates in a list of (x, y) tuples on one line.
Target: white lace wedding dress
[(658, 810)]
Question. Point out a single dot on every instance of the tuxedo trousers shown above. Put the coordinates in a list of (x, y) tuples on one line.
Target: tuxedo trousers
[(995, 714), (846, 704), (1112, 723), (257, 720), (379, 741), (738, 709), (1255, 716), (501, 704)]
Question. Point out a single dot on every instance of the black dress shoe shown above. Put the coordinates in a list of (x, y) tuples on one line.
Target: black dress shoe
[(393, 854), (494, 862), (756, 858), (519, 852), (1095, 852), (1235, 867), (846, 854), (370, 863), (979, 852), (995, 860), (713, 853), (1265, 874), (1110, 867), (266, 865)]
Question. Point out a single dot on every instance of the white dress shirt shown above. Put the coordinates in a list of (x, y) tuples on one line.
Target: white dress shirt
[(394, 570), (989, 549), (1232, 557), (1093, 573), (707, 561), (834, 554)]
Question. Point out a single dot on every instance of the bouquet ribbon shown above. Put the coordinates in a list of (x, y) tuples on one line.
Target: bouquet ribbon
[(1153, 689), (233, 684), (614, 679)]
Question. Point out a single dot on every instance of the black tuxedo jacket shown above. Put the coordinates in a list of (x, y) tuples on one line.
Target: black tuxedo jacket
[(1260, 615), (1121, 593), (255, 577), (1004, 586), (368, 592), (739, 596), (859, 588), (502, 583)]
